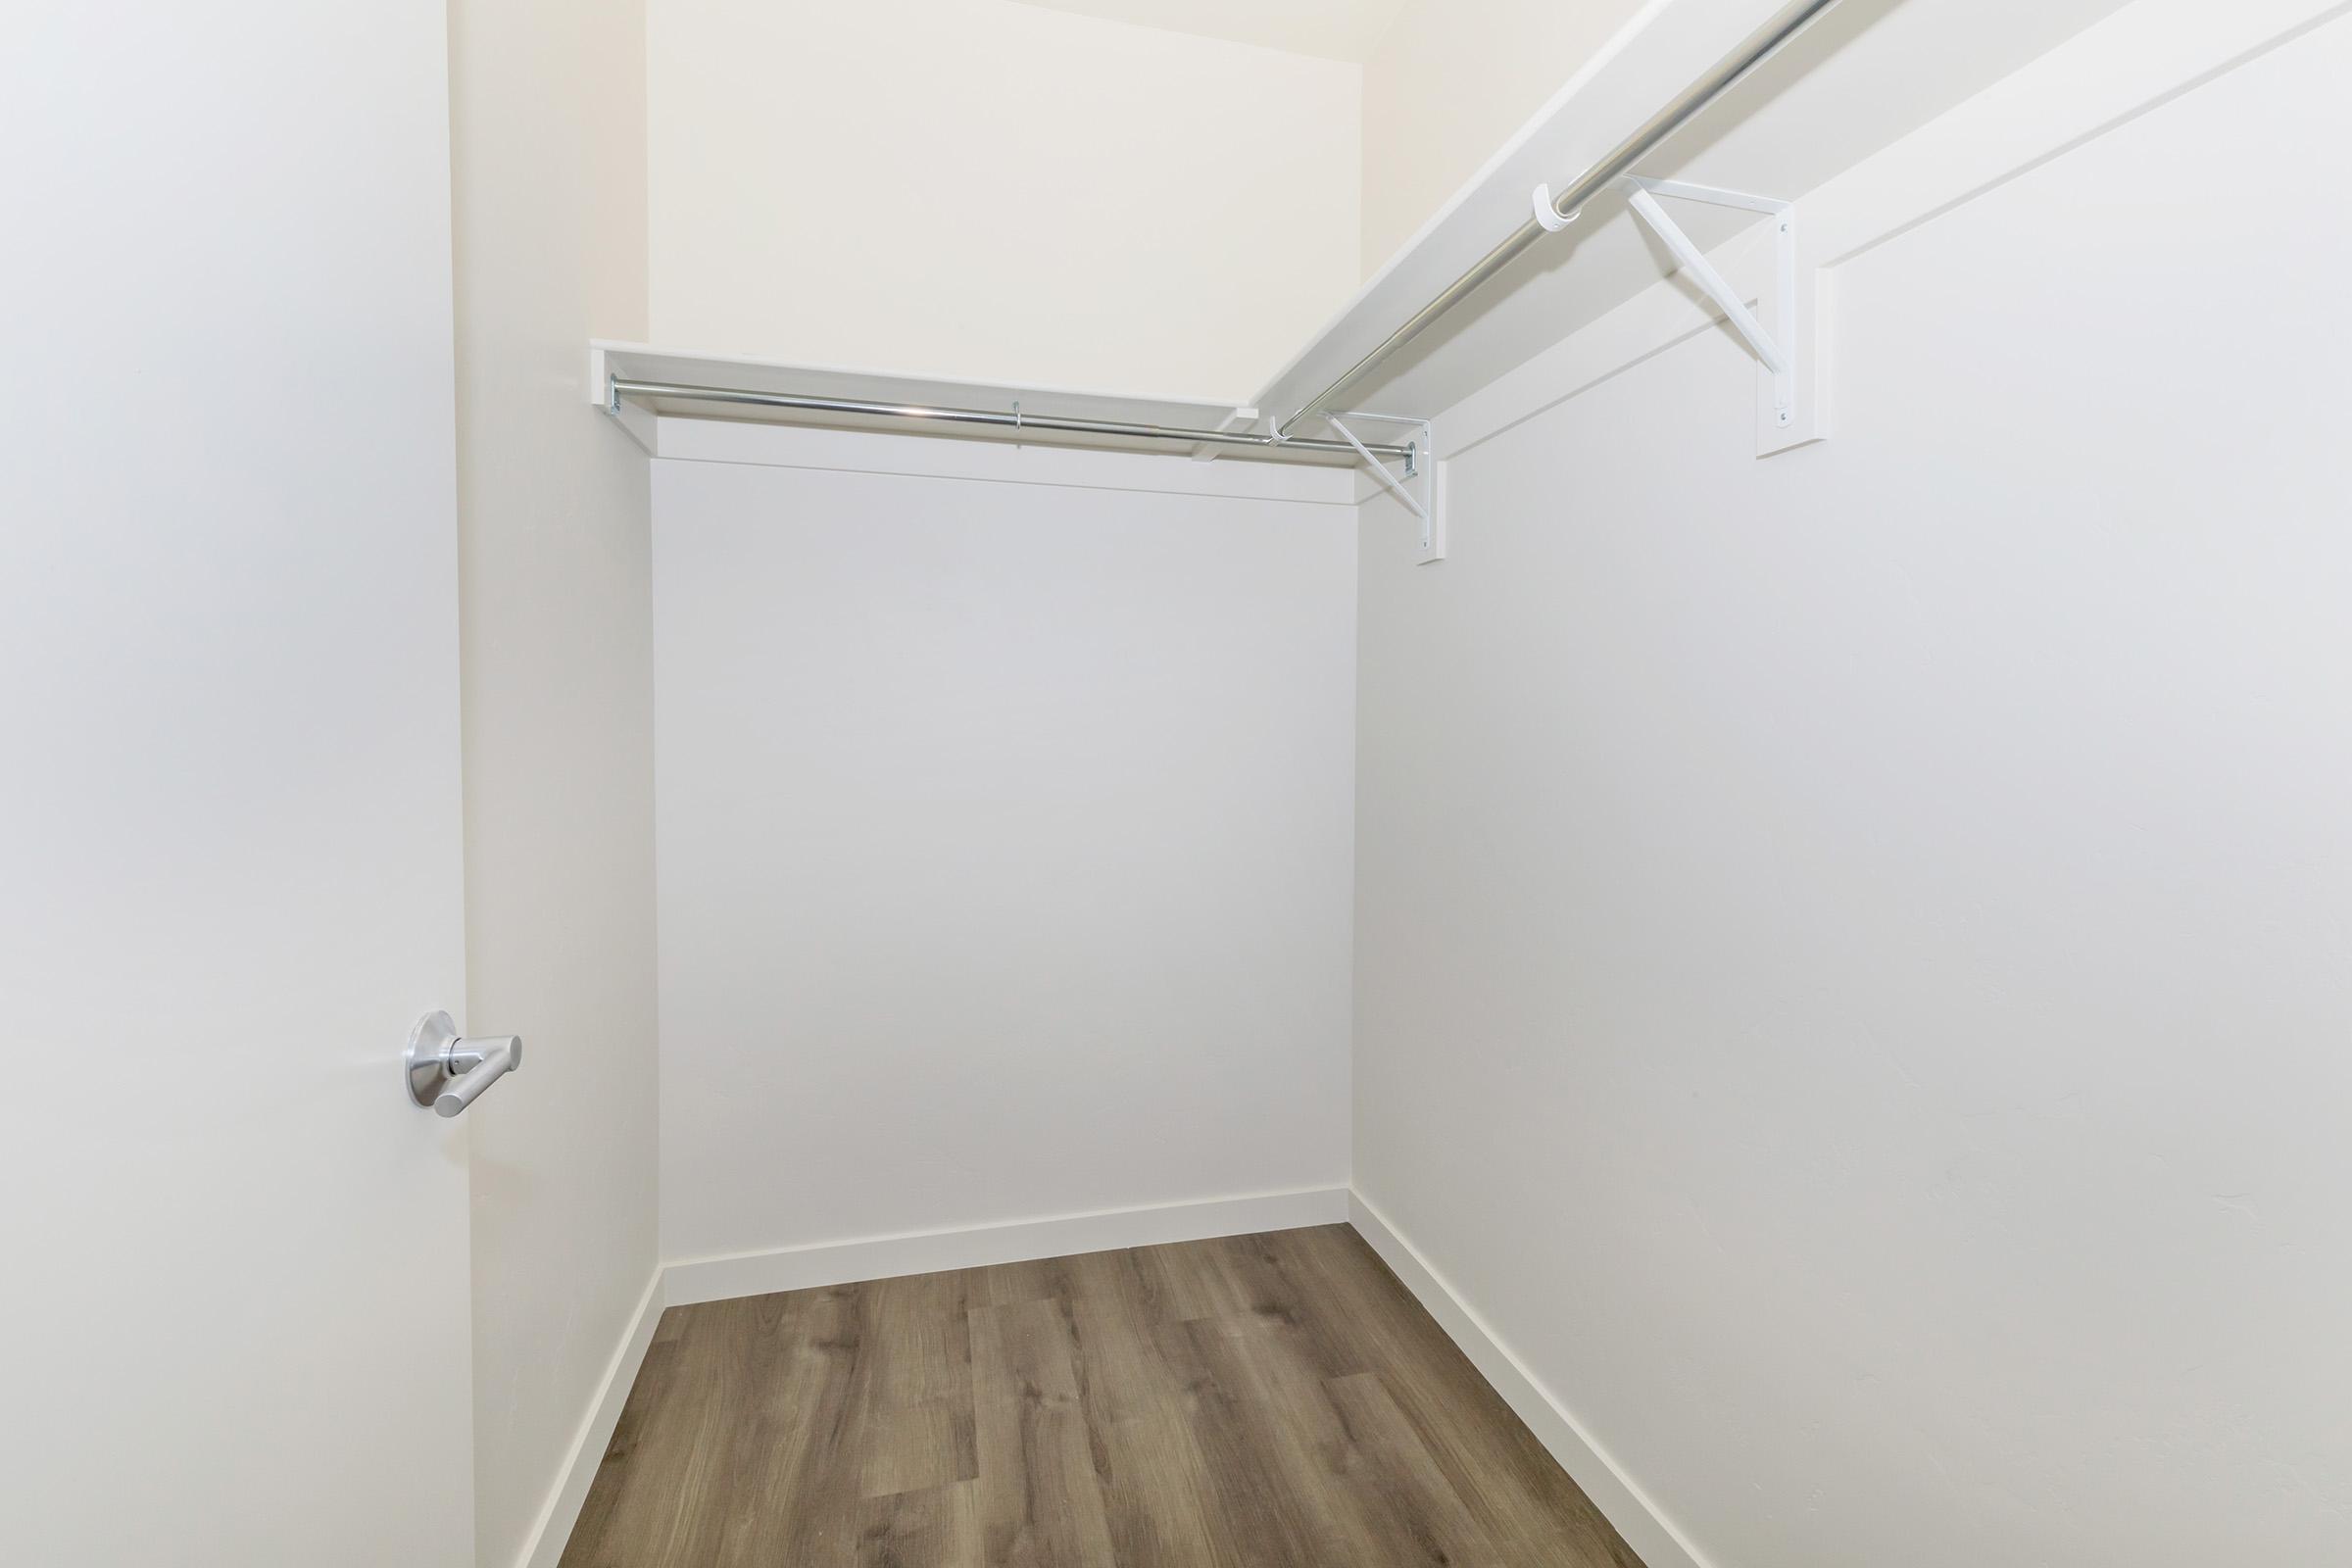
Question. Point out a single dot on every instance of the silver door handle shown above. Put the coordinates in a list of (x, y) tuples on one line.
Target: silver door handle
[(448, 1071)]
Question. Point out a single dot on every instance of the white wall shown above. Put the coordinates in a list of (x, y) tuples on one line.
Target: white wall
[(549, 126), (1448, 85), (1852, 978), (1003, 843), (993, 190)]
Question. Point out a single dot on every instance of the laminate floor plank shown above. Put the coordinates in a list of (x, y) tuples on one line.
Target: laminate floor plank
[(935, 1529), (1159, 1499), (1256, 1402)]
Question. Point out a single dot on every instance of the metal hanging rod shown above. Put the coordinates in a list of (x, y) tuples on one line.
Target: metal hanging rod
[(1551, 215), (1691, 101), (618, 387)]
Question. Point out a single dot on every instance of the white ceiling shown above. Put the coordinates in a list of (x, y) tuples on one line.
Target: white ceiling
[(1335, 30)]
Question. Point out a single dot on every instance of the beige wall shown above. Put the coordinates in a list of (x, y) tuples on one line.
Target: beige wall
[(987, 190), (1011, 192), (547, 112), (1448, 85)]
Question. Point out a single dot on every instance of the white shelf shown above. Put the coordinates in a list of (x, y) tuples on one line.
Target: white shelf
[(1862, 76), (645, 362)]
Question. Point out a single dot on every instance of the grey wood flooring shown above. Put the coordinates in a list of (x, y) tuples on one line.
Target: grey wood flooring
[(1260, 1401)]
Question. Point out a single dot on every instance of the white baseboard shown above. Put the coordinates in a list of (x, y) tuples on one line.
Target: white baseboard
[(880, 1258), (1638, 1519), (562, 1511)]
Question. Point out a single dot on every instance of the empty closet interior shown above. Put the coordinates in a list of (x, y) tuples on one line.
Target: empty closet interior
[(1372, 782)]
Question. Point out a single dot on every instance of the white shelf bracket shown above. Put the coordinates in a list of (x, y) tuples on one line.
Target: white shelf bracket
[(1421, 486), (1786, 338), (642, 426)]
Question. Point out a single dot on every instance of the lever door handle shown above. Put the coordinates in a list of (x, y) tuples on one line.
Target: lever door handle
[(448, 1071)]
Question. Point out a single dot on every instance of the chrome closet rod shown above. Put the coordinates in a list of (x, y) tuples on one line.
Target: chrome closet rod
[(1693, 100), (617, 387)]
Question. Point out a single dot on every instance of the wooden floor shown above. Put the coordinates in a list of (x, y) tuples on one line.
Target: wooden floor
[(1263, 1402)]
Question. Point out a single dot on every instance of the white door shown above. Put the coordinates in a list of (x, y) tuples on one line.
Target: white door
[(234, 1324)]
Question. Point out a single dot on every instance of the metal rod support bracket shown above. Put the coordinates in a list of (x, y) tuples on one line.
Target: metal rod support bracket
[(1426, 500), (1775, 347)]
